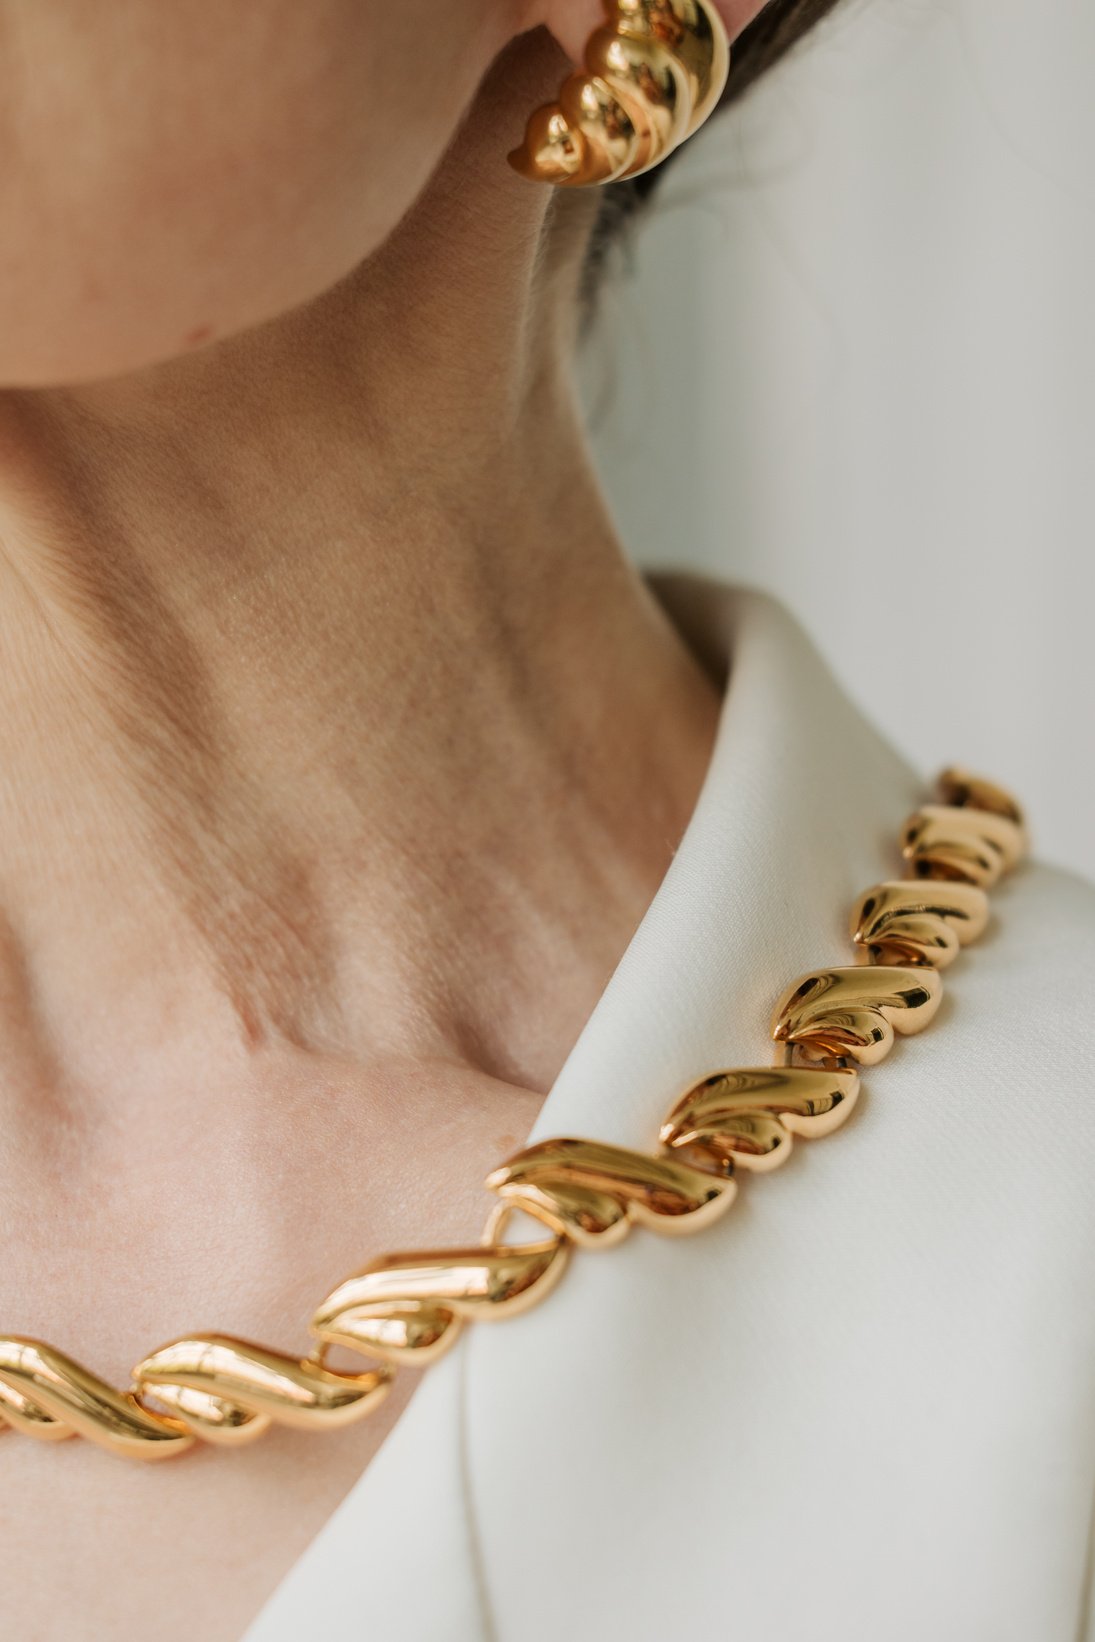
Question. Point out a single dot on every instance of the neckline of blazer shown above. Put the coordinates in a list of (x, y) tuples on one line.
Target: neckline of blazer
[(798, 812)]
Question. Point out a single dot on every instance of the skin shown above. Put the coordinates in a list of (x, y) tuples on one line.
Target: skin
[(342, 751)]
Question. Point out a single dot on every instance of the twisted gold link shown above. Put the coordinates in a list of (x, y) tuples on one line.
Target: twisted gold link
[(960, 789), (749, 1115), (230, 1391), (649, 78), (974, 846), (833, 1013), (411, 1307), (918, 923), (591, 1192), (50, 1396)]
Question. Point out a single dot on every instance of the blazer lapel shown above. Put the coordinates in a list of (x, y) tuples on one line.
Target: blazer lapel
[(776, 1418)]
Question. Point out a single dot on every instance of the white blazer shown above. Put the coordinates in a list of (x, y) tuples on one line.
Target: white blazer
[(860, 1407)]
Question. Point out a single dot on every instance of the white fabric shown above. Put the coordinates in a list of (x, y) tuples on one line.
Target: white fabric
[(854, 362), (860, 1408)]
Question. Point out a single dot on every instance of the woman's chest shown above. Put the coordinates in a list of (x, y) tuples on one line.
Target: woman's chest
[(113, 1249)]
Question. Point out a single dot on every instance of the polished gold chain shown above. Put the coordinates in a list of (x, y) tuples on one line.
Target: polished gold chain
[(410, 1308)]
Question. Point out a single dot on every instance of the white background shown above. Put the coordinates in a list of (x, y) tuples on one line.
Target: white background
[(854, 362)]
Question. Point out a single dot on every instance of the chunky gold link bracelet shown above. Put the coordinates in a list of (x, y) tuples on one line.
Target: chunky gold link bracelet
[(586, 1194)]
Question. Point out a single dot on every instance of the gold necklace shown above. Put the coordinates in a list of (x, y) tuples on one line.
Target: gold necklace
[(409, 1308)]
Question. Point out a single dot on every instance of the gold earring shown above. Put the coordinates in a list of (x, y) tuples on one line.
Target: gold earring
[(651, 77)]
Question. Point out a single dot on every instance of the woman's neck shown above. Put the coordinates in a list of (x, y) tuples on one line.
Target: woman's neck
[(331, 714)]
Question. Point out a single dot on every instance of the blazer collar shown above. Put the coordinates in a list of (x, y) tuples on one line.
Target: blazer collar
[(797, 814)]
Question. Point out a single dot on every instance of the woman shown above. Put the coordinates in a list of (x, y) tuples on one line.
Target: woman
[(365, 811)]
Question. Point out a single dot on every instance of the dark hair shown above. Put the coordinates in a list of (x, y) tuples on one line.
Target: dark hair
[(775, 29)]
